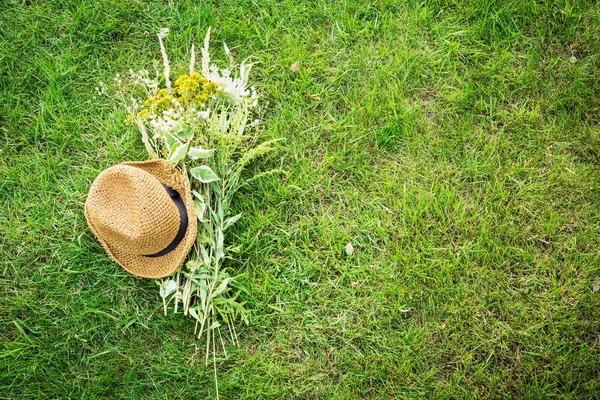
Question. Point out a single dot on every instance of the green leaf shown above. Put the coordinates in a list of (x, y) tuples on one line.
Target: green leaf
[(171, 141), (198, 273), (203, 239), (205, 256), (178, 151), (238, 306), (234, 249), (200, 207), (203, 297), (216, 188), (185, 134), (197, 314), (231, 220), (222, 288), (197, 195), (198, 152), (199, 279), (204, 174), (168, 287), (194, 314), (215, 217), (192, 265), (220, 211), (214, 325), (219, 245)]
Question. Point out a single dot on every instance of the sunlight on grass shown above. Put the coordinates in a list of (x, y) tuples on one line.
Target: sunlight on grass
[(455, 145)]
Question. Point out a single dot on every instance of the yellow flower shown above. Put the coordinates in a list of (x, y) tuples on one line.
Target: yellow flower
[(211, 87), (144, 114), (201, 98), (186, 86), (156, 104), (196, 88), (163, 104)]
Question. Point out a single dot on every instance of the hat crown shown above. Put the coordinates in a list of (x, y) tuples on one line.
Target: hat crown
[(132, 211)]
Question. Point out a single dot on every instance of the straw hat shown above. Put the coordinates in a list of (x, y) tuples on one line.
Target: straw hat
[(143, 215)]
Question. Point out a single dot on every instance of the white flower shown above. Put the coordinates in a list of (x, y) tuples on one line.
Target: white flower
[(234, 87), (204, 114)]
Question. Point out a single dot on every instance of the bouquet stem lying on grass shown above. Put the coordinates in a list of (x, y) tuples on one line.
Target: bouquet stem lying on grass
[(200, 124)]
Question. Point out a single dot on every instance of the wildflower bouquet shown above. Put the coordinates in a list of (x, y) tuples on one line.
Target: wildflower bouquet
[(200, 124)]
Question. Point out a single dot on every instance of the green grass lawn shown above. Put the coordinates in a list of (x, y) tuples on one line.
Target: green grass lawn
[(455, 144)]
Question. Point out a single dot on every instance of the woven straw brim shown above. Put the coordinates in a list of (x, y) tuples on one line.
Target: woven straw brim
[(157, 267)]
